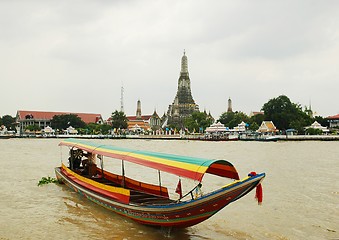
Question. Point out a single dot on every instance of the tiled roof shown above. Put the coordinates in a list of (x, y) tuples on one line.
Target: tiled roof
[(143, 117), (140, 123), (86, 117), (267, 126), (256, 113), (333, 117)]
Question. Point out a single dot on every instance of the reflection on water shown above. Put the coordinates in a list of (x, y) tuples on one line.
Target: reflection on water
[(300, 193)]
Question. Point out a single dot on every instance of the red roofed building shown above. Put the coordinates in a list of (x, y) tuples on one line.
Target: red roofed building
[(143, 118), (138, 125), (43, 119), (333, 120), (256, 113), (143, 122)]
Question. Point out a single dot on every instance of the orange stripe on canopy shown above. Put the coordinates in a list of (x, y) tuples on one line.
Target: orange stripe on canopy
[(184, 166)]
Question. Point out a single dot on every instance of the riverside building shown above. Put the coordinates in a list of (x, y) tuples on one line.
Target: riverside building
[(25, 118)]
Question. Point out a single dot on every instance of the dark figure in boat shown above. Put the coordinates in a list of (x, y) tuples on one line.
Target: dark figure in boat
[(82, 166), (75, 159)]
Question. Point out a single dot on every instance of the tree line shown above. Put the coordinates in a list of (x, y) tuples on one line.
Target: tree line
[(280, 110)]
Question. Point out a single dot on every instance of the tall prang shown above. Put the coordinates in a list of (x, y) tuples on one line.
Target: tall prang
[(183, 105), (229, 109), (138, 113)]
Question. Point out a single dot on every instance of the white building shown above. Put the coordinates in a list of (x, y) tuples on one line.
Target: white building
[(317, 125), (216, 128), (240, 128)]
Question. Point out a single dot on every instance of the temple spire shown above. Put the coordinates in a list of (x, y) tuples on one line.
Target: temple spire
[(229, 109), (183, 105), (184, 64), (138, 114)]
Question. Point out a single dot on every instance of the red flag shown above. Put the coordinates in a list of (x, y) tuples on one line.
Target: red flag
[(178, 190), (258, 190), (258, 193)]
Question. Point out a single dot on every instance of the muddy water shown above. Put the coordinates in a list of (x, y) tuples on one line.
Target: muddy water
[(301, 193)]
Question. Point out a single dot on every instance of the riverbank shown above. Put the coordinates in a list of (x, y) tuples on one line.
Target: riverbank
[(271, 138), (195, 137), (308, 138)]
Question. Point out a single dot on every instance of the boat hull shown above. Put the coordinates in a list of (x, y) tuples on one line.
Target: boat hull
[(178, 214)]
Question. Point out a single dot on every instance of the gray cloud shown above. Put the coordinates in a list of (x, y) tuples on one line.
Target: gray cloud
[(74, 56)]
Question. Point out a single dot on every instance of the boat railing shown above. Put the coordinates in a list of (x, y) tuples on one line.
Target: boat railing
[(195, 189)]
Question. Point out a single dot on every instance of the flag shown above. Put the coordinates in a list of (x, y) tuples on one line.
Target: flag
[(178, 190), (258, 193), (258, 190)]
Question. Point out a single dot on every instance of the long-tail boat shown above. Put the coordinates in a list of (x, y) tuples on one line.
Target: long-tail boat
[(147, 203)]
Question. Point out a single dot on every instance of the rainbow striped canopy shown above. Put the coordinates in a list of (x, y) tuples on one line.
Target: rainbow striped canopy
[(189, 167)]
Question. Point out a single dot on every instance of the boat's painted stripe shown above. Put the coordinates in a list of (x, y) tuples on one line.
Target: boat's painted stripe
[(140, 216), (184, 166), (181, 206), (186, 219), (180, 215), (119, 194)]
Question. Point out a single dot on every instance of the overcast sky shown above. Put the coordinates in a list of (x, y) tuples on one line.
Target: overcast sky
[(74, 56)]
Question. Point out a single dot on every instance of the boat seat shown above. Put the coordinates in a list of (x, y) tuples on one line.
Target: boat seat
[(144, 198)]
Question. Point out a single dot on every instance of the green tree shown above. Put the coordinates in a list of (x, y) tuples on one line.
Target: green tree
[(255, 121), (286, 114), (198, 121), (119, 120), (105, 128), (33, 128), (258, 119), (9, 122), (313, 131), (94, 128), (232, 119), (66, 120), (253, 126), (226, 117)]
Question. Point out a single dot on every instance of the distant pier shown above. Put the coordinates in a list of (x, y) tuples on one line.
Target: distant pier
[(308, 137)]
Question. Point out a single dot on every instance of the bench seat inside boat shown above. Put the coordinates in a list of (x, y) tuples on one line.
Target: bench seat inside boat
[(145, 198), (138, 197)]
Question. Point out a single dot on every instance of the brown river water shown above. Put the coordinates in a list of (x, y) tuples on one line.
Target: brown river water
[(301, 193)]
